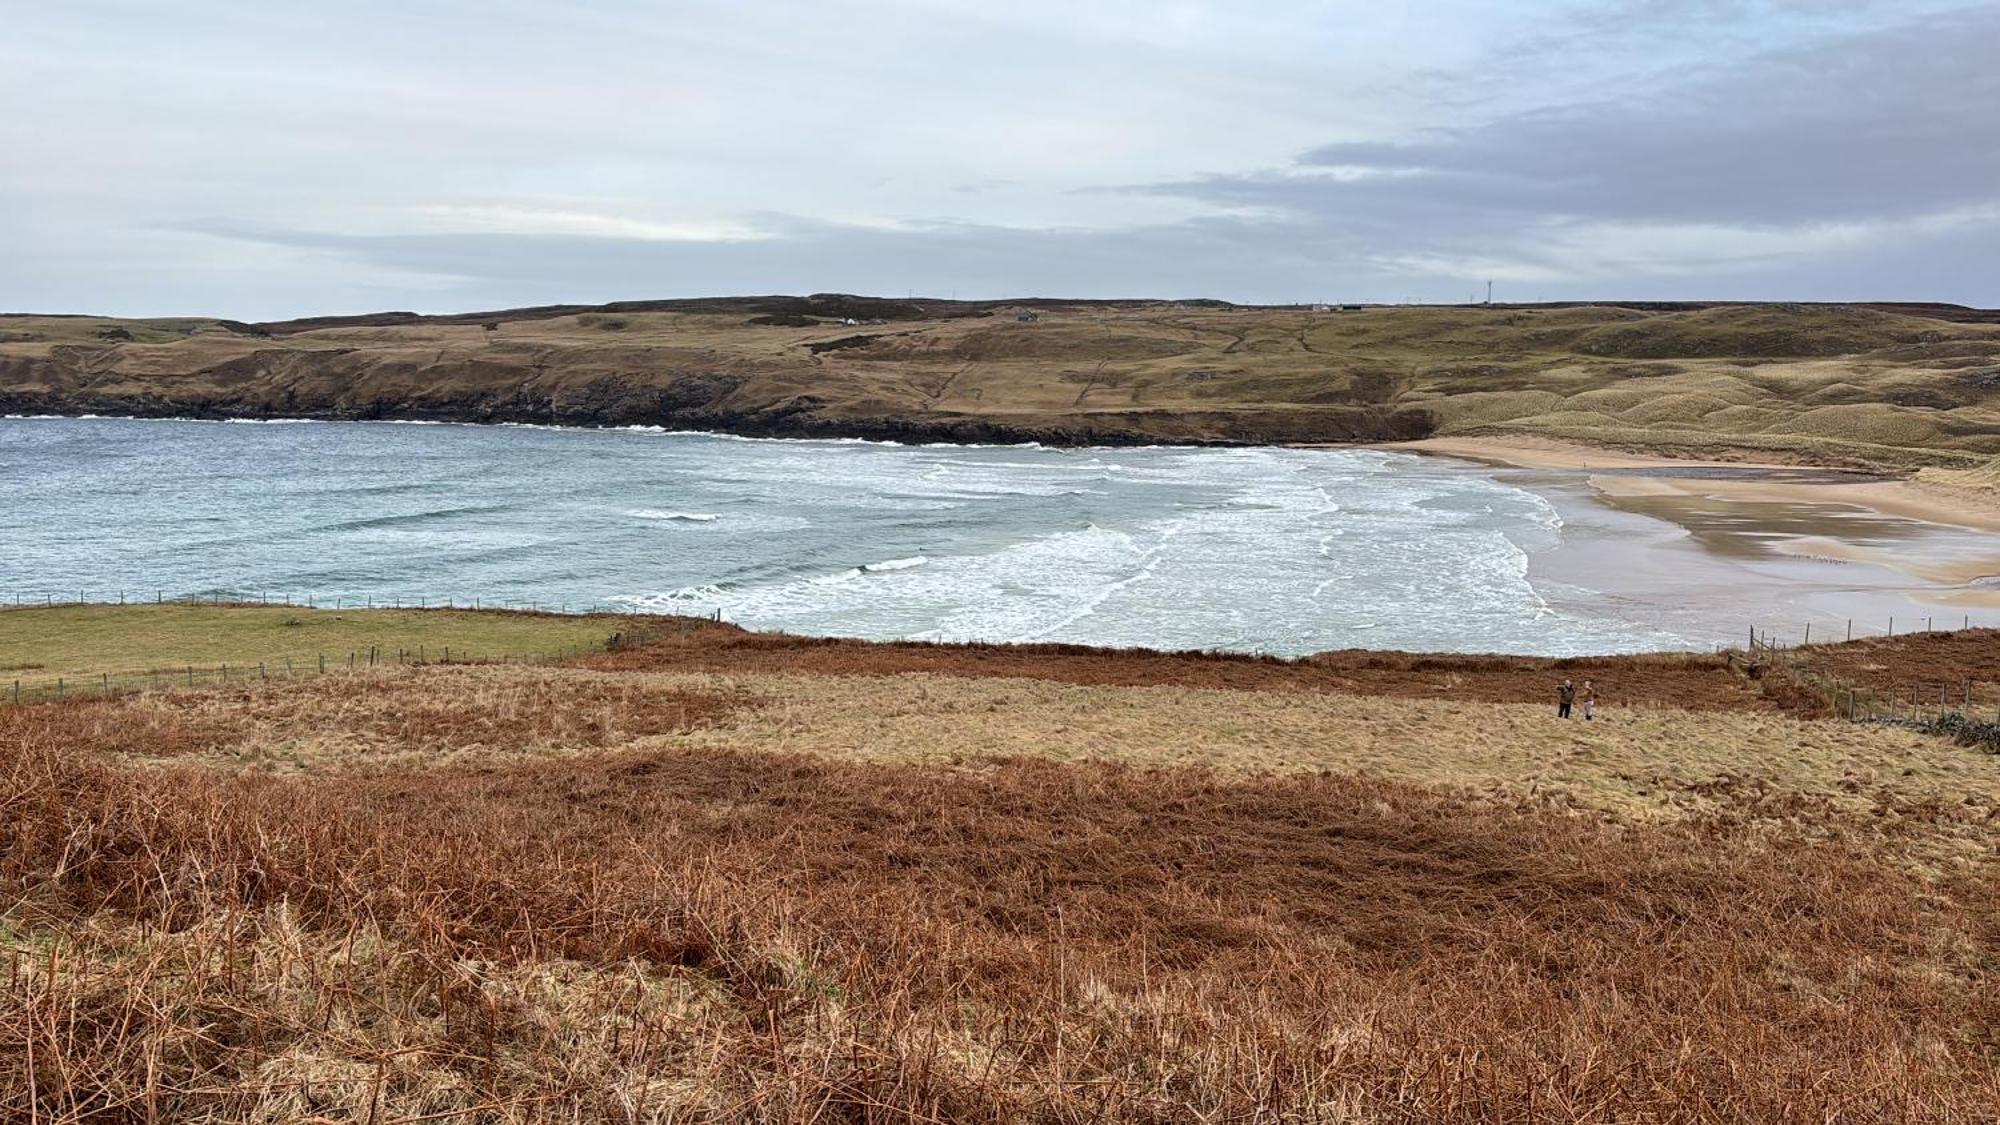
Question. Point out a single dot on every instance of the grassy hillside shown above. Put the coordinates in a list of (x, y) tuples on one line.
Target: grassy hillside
[(718, 878), (83, 642), (1848, 385)]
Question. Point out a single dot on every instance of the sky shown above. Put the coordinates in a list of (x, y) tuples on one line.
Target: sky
[(281, 159)]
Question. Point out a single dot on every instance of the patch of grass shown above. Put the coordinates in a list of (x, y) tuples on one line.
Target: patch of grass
[(1634, 763), (81, 641), (687, 933), (1203, 888), (102, 329)]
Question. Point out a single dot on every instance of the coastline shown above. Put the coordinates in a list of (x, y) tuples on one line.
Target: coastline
[(1622, 474), (1905, 540), (1679, 545)]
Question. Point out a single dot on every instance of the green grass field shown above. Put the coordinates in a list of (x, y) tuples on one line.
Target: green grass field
[(86, 642)]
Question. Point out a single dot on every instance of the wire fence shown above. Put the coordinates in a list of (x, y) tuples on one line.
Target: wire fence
[(53, 598), (1832, 630), (1964, 707), (1902, 692), (80, 684), (101, 685)]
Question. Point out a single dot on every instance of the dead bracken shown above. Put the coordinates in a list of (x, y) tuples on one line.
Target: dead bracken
[(651, 890)]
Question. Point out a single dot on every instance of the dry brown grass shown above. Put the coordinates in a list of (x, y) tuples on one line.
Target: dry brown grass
[(1635, 762), (687, 934), (389, 718), (1959, 668), (1691, 681), (1207, 892)]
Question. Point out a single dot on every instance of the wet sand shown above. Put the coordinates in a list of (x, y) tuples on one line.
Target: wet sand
[(1692, 546), (1631, 474)]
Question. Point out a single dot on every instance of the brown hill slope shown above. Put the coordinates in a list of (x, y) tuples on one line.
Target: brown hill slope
[(861, 885), (1850, 385)]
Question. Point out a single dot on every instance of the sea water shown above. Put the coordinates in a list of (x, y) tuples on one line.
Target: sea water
[(1273, 550)]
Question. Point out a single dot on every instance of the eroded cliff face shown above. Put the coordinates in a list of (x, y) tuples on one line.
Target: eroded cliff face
[(627, 387)]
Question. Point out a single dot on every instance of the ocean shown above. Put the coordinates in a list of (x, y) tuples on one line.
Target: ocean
[(1284, 551)]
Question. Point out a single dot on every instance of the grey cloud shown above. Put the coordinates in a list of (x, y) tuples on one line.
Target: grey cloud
[(1787, 149), (1883, 125), (1255, 260)]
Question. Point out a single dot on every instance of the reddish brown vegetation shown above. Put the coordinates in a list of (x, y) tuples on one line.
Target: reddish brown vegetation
[(1922, 668), (1022, 941), (1687, 681), (417, 711)]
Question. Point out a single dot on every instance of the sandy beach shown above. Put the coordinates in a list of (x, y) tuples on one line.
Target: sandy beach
[(1630, 474), (1765, 540)]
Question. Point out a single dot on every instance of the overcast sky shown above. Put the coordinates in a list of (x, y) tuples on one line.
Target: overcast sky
[(281, 159)]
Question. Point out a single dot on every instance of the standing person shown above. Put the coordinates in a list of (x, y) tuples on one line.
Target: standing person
[(1589, 702), (1565, 696)]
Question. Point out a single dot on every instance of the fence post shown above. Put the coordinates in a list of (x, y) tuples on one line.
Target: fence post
[(1850, 628), (322, 664), (107, 682), (1892, 624), (190, 672), (1808, 632), (17, 693), (59, 687), (1928, 622)]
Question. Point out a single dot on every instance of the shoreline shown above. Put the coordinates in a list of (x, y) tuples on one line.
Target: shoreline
[(1644, 536), (1613, 473), (1622, 474), (1941, 545)]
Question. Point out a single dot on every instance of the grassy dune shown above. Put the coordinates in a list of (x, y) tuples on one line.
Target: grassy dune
[(1845, 385), (649, 890)]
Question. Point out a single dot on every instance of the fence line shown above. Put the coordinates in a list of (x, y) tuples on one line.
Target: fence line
[(100, 685), (49, 599), (1959, 708), (1957, 705)]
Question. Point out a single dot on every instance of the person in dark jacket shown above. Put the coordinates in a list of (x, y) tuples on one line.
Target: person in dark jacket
[(1565, 699)]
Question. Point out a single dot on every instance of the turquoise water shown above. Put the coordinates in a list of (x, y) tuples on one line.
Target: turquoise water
[(1275, 550)]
